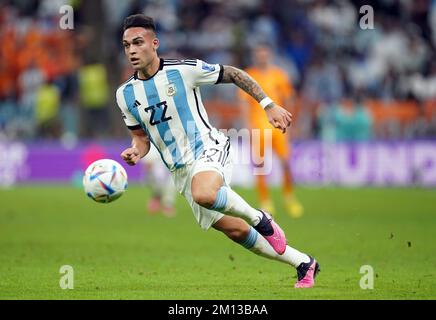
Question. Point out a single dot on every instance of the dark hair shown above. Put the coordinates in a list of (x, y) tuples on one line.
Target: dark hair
[(139, 20)]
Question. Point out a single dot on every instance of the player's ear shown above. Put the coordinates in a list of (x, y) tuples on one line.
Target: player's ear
[(155, 43)]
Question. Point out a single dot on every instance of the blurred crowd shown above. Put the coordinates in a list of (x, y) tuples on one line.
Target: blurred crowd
[(356, 76)]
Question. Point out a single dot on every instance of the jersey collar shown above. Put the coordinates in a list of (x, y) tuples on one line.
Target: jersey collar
[(161, 63)]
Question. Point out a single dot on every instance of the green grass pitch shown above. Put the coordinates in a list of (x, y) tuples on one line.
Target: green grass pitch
[(119, 251)]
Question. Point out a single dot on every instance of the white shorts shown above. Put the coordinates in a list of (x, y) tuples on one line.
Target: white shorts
[(215, 157)]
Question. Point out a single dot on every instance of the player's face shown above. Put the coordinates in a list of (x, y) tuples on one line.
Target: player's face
[(262, 56), (140, 47)]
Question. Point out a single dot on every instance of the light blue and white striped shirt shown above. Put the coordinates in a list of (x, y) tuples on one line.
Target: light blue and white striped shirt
[(168, 107)]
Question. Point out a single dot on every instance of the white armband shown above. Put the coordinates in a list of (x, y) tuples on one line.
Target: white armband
[(265, 102)]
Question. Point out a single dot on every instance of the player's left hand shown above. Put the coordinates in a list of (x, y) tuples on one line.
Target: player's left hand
[(279, 117)]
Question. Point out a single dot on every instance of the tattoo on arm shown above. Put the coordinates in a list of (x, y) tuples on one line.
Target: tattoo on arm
[(244, 81)]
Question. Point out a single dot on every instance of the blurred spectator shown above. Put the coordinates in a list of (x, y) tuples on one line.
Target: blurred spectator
[(353, 122), (323, 80), (348, 121), (94, 93), (424, 87), (46, 109), (319, 44), (299, 49)]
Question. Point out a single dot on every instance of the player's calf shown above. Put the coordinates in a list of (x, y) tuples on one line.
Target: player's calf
[(234, 228)]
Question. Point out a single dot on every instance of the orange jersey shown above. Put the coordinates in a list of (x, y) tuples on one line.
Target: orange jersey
[(276, 85)]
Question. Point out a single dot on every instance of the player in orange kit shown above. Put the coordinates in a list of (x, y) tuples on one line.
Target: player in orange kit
[(277, 86)]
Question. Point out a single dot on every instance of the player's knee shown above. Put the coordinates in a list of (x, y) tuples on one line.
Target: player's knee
[(205, 198)]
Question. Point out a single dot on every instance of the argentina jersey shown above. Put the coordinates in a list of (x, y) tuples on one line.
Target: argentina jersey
[(168, 107)]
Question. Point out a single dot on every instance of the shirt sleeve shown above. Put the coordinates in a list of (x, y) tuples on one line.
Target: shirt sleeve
[(128, 118), (205, 73)]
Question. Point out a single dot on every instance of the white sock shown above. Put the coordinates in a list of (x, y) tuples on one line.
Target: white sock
[(161, 184), (168, 192), (153, 181), (229, 202), (258, 244)]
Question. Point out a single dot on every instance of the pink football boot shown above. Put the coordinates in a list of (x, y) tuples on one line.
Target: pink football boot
[(153, 206), (307, 273)]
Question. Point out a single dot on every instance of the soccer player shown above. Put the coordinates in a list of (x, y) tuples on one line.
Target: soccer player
[(277, 86), (161, 104)]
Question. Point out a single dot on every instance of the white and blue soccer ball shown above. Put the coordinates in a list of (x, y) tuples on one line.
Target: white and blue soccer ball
[(105, 180)]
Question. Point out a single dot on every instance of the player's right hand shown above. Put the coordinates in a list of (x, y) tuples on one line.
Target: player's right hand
[(279, 117), (131, 156)]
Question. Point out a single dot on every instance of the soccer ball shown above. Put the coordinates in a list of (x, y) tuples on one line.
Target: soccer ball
[(105, 180)]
